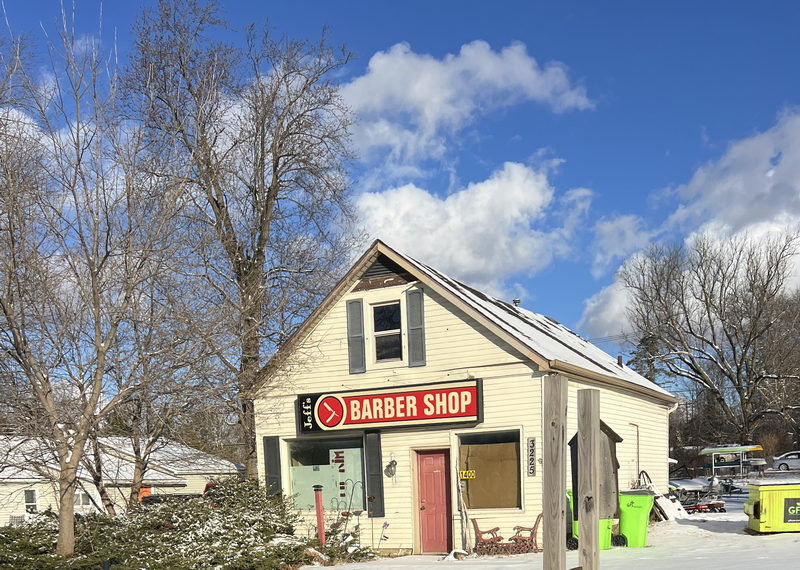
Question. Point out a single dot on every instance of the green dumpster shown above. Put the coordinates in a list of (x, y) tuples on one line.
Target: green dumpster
[(605, 526), (634, 516)]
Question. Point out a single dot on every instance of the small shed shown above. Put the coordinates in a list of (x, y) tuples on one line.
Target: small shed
[(608, 506)]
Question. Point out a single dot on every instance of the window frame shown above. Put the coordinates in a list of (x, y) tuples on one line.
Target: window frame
[(31, 507), (387, 333), (521, 474), (79, 501)]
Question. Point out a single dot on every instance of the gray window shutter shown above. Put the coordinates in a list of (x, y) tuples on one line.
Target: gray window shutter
[(416, 328), (374, 463), (355, 336), (272, 464)]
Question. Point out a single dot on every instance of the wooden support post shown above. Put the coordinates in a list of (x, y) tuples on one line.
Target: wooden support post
[(589, 478), (554, 490)]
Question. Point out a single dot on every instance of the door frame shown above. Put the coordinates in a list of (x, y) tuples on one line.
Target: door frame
[(415, 452)]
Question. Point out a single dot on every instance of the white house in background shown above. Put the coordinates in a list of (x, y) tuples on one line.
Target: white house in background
[(28, 478), (174, 461), (413, 399)]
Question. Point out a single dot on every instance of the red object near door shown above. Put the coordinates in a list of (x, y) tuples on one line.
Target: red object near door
[(433, 483)]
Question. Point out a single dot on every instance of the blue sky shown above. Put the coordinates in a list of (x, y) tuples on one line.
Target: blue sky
[(529, 148)]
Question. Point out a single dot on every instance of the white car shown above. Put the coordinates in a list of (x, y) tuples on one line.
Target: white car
[(787, 461)]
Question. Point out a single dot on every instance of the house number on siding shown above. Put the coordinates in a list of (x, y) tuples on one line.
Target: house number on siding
[(531, 457)]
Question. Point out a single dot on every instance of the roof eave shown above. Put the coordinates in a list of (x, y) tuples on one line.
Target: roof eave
[(579, 373), (316, 315), (479, 316)]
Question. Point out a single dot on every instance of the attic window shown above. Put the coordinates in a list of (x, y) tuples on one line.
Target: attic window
[(386, 326)]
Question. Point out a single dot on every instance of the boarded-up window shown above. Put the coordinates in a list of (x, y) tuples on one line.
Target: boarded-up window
[(490, 465)]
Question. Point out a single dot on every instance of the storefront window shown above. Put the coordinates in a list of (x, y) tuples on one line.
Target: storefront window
[(489, 469), (336, 464)]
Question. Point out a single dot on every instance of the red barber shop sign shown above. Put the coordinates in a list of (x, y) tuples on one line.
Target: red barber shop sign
[(446, 402)]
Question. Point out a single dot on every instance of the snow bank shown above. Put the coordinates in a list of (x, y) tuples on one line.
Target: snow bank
[(711, 541)]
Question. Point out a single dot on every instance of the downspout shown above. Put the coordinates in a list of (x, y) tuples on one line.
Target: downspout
[(638, 463)]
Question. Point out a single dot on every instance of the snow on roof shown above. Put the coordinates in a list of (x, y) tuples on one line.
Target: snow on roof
[(175, 457), (168, 463), (29, 459), (23, 459), (15, 474), (543, 335), (119, 471)]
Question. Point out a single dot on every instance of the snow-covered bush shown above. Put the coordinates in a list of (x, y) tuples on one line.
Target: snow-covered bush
[(230, 527), (235, 526), (30, 545)]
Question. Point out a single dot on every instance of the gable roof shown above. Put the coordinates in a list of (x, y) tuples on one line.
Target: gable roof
[(29, 460), (24, 460), (549, 344), (174, 458)]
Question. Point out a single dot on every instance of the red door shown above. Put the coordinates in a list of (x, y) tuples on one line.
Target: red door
[(433, 482)]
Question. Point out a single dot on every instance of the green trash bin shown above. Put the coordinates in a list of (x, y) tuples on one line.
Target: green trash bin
[(634, 516), (605, 525)]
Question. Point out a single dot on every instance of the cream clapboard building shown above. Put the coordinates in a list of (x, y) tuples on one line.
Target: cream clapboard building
[(28, 475), (417, 403)]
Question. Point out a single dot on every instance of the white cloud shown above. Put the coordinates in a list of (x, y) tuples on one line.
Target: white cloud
[(604, 313), (617, 238), (408, 103), (484, 233), (752, 190), (756, 181)]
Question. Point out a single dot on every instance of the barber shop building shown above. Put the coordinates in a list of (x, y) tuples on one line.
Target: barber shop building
[(417, 401)]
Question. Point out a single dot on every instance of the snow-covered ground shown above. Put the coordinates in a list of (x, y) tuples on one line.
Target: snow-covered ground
[(709, 541)]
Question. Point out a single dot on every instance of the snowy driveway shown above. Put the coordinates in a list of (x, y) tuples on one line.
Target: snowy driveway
[(711, 541)]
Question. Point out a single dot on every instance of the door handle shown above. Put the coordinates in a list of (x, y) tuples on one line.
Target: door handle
[(422, 508)]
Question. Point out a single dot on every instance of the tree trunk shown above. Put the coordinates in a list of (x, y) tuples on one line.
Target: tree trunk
[(136, 483), (252, 295), (249, 427), (97, 479), (67, 481)]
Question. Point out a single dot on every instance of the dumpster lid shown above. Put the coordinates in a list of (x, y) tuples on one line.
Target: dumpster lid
[(774, 481)]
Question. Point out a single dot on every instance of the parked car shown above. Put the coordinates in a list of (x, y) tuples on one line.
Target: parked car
[(160, 498), (157, 499), (787, 461)]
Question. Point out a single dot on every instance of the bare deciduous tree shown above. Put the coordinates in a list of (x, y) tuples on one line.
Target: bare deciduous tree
[(197, 209), (716, 314), (85, 230), (263, 134)]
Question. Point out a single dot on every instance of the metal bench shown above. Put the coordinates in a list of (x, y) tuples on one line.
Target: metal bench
[(489, 542)]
